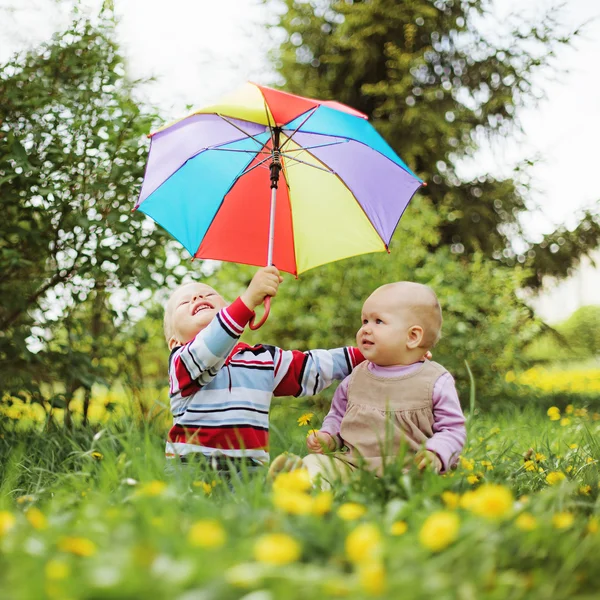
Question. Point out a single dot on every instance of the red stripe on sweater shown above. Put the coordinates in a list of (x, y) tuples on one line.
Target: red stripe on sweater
[(290, 384), (187, 385), (238, 438)]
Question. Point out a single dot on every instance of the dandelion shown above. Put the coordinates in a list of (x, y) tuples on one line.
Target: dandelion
[(57, 570), (569, 468), (350, 511), (371, 577), (472, 479), (305, 419), (439, 530), (297, 480), (529, 465), (510, 377), (487, 464), (565, 422), (322, 503), (589, 460), (467, 464), (204, 486), (492, 501), (554, 413), (467, 500), (526, 522), (36, 518), (569, 409), (311, 431), (592, 526), (363, 543), (562, 520), (276, 549), (450, 499), (97, 455), (78, 546), (292, 502), (7, 522), (151, 489), (399, 528), (23, 499), (573, 446), (585, 490), (539, 457), (494, 430), (207, 533), (554, 477)]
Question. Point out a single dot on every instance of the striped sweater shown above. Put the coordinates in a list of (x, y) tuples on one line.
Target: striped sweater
[(221, 389)]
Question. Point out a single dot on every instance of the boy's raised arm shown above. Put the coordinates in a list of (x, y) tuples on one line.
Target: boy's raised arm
[(308, 373)]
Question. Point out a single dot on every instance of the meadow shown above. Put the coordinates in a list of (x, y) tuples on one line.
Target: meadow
[(95, 513)]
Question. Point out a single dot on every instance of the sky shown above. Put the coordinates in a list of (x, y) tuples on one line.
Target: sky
[(197, 50)]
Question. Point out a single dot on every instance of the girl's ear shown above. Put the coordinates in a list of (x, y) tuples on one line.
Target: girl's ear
[(173, 342), (414, 337)]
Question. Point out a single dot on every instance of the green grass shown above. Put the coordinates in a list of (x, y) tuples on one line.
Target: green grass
[(108, 530)]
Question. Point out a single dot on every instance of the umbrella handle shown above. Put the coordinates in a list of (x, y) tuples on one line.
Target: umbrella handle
[(254, 325)]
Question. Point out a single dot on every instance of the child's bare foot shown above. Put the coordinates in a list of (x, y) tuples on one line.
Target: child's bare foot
[(283, 464)]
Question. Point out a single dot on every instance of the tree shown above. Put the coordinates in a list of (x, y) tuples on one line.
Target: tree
[(435, 76), (72, 153)]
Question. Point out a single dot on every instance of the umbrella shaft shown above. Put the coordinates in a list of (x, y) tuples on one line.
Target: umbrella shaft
[(272, 225)]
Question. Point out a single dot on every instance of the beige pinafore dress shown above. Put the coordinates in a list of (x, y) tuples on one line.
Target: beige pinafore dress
[(385, 413)]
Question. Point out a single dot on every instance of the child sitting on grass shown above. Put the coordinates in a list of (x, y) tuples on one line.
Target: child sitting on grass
[(220, 389), (392, 400)]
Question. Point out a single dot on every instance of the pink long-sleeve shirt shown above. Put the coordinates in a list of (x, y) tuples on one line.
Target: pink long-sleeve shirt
[(449, 433)]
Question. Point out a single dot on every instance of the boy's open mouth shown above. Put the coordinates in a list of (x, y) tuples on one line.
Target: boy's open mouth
[(367, 343), (201, 306)]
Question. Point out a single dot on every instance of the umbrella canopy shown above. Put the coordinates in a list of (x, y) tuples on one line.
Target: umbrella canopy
[(341, 192)]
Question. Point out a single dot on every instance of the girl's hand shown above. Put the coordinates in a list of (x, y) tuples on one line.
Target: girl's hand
[(320, 442), (428, 459)]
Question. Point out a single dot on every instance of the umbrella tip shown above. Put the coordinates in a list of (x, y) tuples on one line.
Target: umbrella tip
[(424, 183)]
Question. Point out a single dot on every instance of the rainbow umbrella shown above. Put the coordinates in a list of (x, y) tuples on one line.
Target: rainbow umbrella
[(337, 188)]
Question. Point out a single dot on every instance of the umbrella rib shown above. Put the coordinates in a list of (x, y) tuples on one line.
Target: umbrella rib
[(216, 148), (306, 163), (240, 129), (310, 114), (303, 148), (264, 160)]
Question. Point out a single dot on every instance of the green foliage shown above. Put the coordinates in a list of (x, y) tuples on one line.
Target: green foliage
[(72, 155), (437, 77)]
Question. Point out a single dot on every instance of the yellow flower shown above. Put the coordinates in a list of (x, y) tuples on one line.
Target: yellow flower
[(569, 409), (573, 446), (311, 431), (562, 520), (585, 490), (293, 481), (371, 577), (57, 569), (565, 422), (539, 457), (292, 502), (569, 468), (97, 455), (364, 543), (467, 500), (399, 528), (592, 526), (450, 499), (276, 549), (510, 377), (472, 479), (526, 522), (494, 430), (487, 464), (492, 501), (23, 499), (36, 518), (529, 465), (350, 511), (589, 460), (151, 489), (554, 477), (7, 522), (305, 419), (439, 530), (554, 413), (206, 487), (77, 545), (467, 464), (207, 533), (322, 503)]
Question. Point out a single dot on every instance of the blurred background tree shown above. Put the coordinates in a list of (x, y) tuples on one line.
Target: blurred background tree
[(437, 77), (72, 155)]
